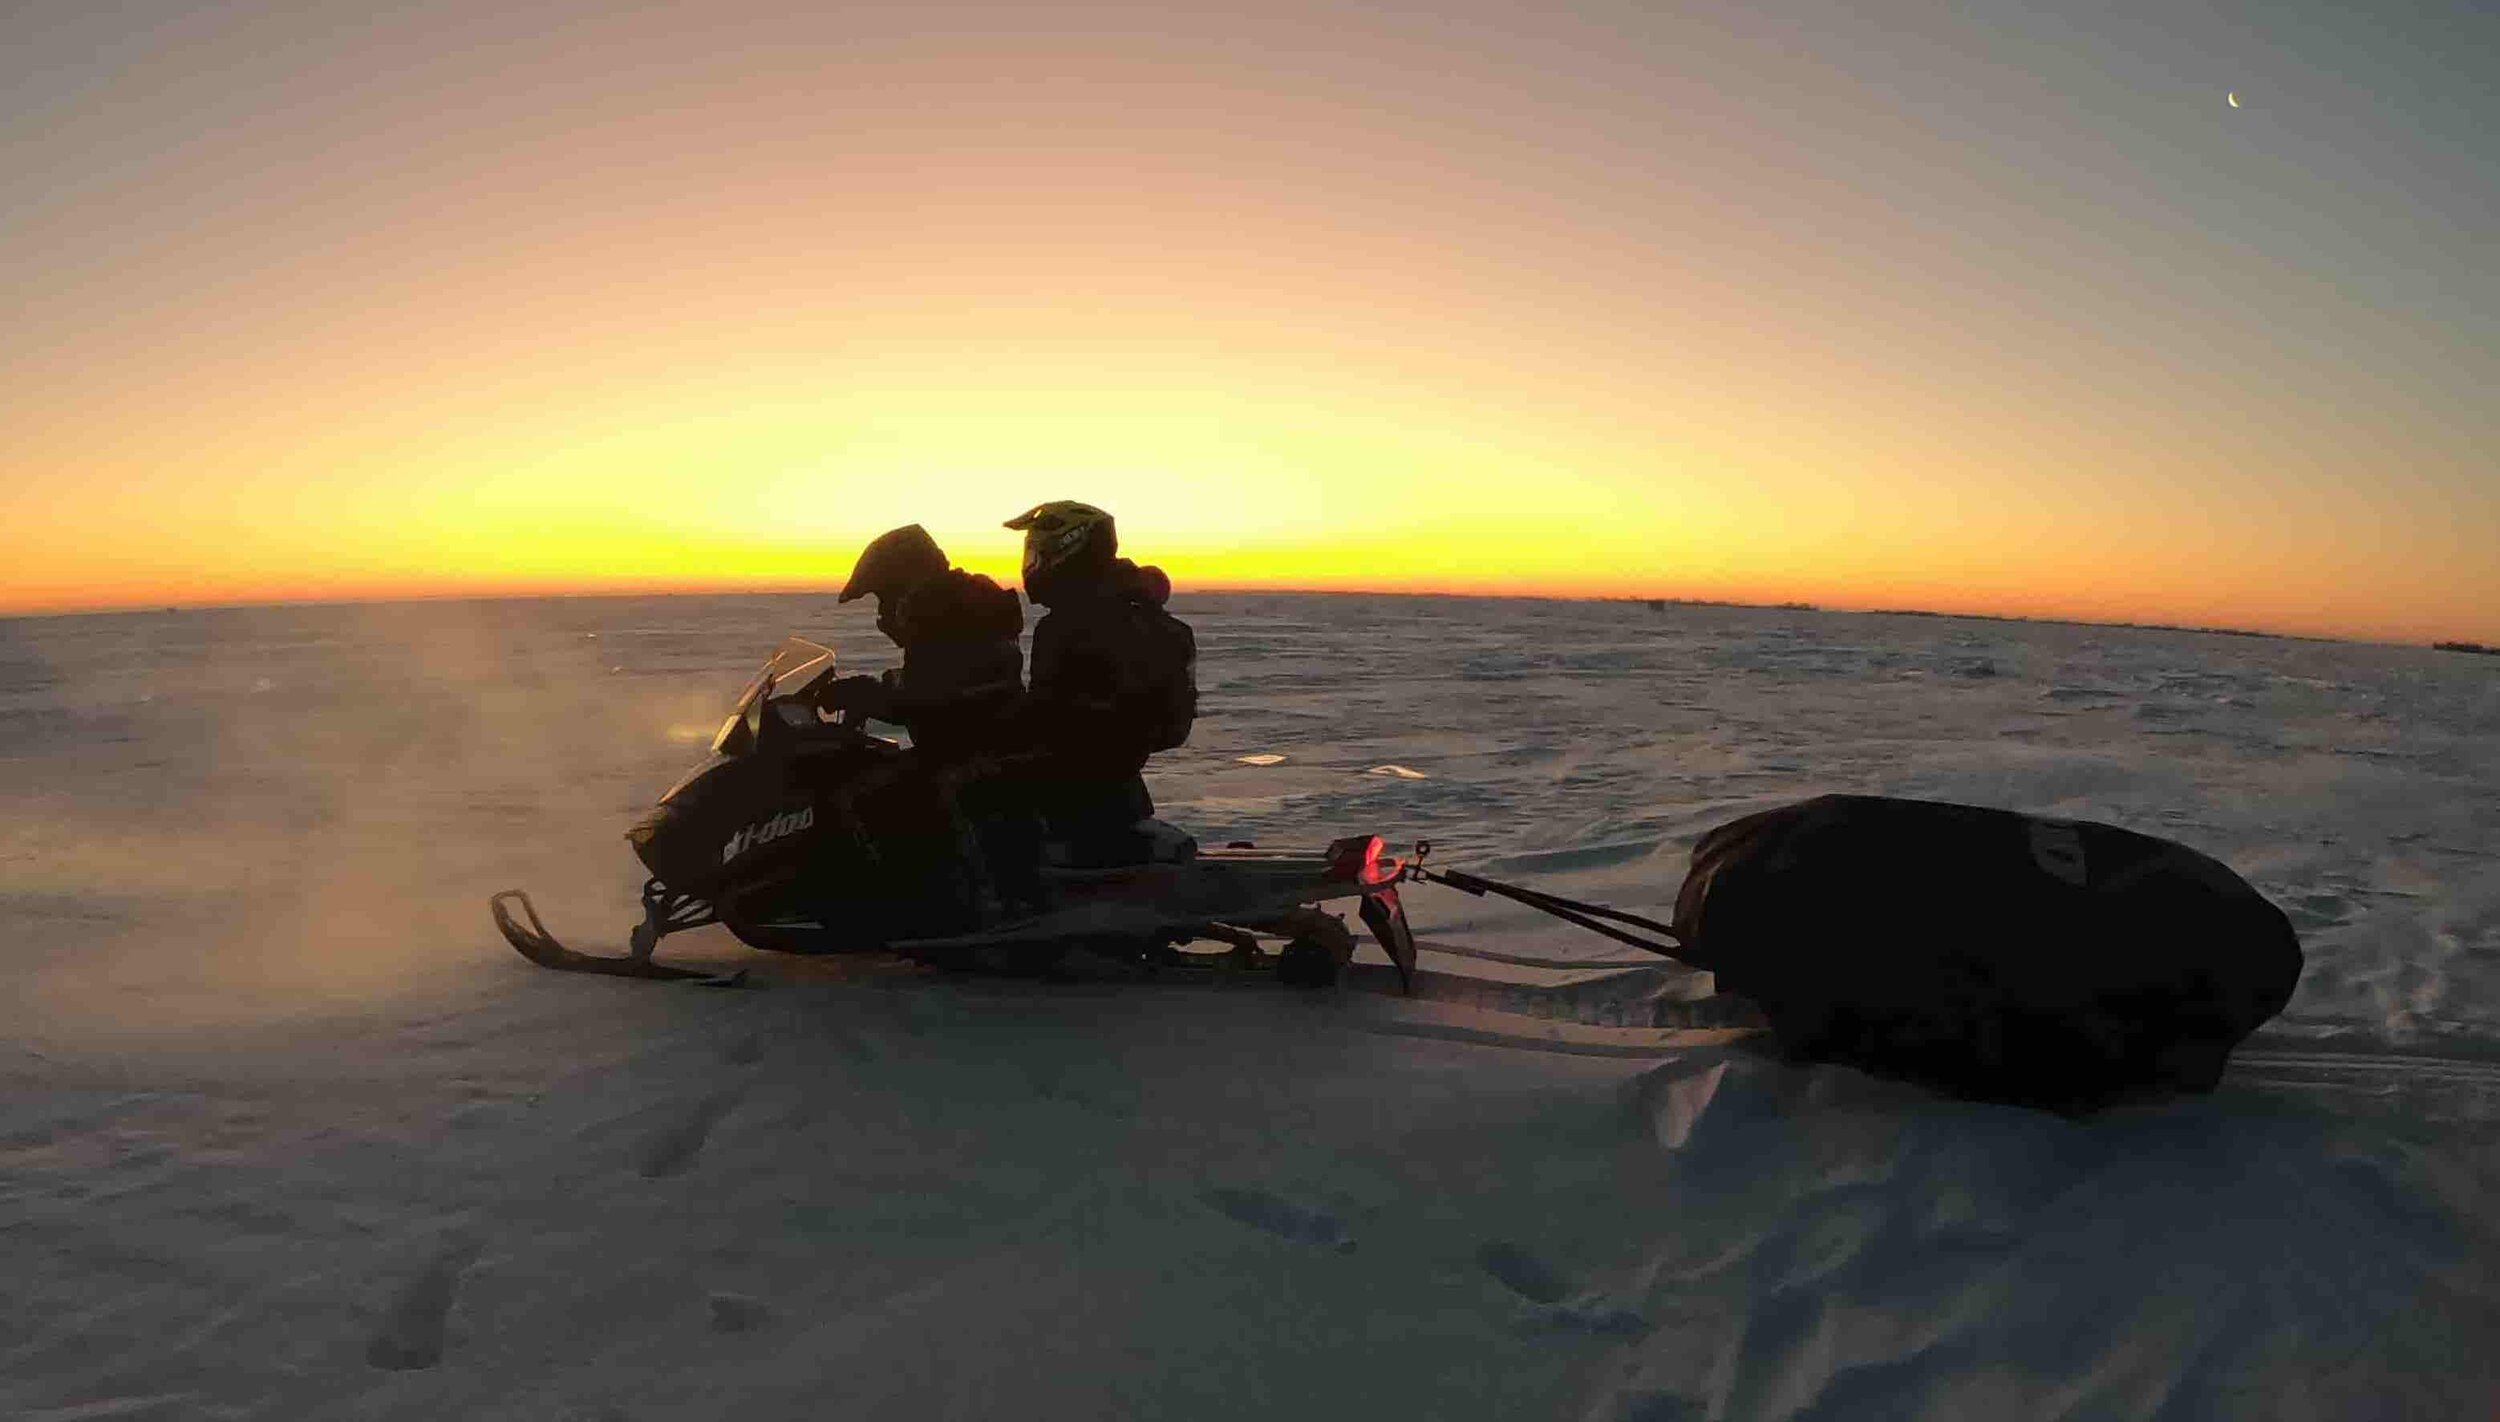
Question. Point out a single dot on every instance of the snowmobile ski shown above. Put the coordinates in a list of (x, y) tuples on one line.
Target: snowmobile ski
[(535, 943)]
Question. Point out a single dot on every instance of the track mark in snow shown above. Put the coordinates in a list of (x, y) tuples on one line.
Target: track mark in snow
[(121, 1409), (738, 1313), (1280, 1217), (1553, 1304), (1460, 950), (1522, 1273), (1634, 1045), (673, 1147), (411, 1335), (2321, 910), (1588, 1314), (1647, 1406)]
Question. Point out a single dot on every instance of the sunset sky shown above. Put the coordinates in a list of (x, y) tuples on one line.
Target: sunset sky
[(2005, 310)]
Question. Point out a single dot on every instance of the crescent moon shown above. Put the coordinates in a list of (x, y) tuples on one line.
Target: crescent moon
[(2234, 97)]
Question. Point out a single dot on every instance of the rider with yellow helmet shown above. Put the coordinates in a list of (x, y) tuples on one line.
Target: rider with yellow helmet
[(1114, 679)]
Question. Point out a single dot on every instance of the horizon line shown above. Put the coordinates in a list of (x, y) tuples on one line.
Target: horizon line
[(1659, 603)]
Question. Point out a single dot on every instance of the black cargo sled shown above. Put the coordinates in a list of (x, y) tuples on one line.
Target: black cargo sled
[(1995, 955)]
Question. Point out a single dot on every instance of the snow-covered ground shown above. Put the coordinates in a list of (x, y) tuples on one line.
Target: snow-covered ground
[(287, 1132)]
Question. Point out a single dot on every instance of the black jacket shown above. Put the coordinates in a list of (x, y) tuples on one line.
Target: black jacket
[(1114, 675), (962, 669)]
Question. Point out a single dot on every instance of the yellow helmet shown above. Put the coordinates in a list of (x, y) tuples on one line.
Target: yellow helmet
[(1064, 539)]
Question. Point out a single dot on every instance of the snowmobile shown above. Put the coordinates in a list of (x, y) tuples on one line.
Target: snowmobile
[(803, 832)]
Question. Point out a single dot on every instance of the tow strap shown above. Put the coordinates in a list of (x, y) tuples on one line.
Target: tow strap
[(1574, 911)]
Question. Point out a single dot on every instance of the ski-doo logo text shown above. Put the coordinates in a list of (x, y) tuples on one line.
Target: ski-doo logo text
[(788, 822)]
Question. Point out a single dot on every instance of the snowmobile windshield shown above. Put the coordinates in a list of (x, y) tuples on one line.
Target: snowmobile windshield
[(794, 667)]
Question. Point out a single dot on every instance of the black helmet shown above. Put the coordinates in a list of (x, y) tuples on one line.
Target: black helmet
[(1064, 541), (894, 562)]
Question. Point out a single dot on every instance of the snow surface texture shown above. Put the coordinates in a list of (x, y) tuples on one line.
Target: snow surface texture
[(287, 1132)]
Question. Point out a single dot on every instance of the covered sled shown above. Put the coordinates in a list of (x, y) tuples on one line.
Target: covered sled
[(1990, 954), (1999, 955)]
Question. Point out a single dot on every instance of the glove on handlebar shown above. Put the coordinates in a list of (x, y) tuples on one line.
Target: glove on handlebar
[(860, 695)]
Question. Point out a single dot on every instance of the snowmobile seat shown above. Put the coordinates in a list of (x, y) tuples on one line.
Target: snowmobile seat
[(1148, 841)]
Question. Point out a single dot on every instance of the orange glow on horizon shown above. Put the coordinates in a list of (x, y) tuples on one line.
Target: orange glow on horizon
[(1325, 568), (463, 300)]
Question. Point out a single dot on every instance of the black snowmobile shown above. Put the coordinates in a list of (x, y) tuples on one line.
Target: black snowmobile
[(804, 833)]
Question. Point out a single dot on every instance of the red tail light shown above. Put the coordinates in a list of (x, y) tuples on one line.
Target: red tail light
[(1357, 859)]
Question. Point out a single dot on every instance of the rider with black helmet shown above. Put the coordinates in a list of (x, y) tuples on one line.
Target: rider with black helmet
[(1114, 679), (962, 667), (960, 681)]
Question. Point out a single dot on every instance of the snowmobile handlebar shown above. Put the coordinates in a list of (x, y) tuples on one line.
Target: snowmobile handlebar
[(1596, 918)]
